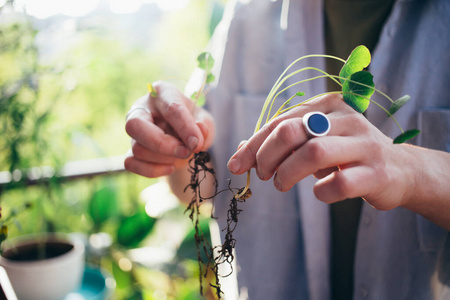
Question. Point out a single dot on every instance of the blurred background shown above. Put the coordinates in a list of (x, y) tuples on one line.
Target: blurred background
[(69, 71)]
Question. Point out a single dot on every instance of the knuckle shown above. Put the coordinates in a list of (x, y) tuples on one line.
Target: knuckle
[(249, 152), (159, 145), (342, 186), (315, 150), (272, 125), (138, 150), (173, 109), (382, 173), (162, 86), (359, 121), (376, 149), (353, 118), (159, 83), (287, 132)]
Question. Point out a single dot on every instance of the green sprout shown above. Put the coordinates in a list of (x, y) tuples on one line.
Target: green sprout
[(356, 84), (206, 63), (151, 90)]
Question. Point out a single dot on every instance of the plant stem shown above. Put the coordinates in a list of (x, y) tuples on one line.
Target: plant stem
[(279, 112), (242, 193), (277, 83), (326, 75), (198, 93)]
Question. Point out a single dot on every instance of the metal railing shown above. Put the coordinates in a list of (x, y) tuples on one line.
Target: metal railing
[(69, 171)]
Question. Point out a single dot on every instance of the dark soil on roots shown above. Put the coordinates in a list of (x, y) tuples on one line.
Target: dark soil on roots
[(207, 261)]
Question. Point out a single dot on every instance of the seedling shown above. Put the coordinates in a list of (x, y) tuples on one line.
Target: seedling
[(199, 170), (356, 88)]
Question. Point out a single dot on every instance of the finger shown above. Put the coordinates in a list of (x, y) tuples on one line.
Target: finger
[(317, 154), (287, 136), (290, 135), (146, 169), (177, 110), (152, 137), (207, 136), (347, 183), (206, 124), (325, 172), (141, 153), (242, 143), (245, 157), (138, 111)]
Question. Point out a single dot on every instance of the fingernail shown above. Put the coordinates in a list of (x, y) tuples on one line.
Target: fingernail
[(259, 174), (234, 165), (182, 152), (192, 142), (277, 183)]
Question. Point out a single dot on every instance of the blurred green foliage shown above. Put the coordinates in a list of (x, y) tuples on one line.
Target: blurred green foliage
[(70, 105)]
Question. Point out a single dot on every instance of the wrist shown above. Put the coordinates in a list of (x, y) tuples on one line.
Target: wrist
[(428, 191)]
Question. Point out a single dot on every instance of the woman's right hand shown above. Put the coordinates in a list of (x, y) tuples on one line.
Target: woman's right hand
[(164, 139)]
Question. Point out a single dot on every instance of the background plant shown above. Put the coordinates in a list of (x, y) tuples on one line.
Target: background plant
[(63, 98)]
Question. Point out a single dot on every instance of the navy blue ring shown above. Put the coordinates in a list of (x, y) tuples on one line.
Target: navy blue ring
[(316, 124)]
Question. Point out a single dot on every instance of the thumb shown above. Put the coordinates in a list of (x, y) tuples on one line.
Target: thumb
[(207, 137)]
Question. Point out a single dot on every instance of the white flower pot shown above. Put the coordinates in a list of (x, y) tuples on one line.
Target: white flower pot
[(45, 278)]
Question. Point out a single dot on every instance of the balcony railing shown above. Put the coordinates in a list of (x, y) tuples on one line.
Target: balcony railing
[(69, 171)]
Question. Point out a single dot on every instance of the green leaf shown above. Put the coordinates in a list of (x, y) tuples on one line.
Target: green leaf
[(205, 61), (407, 135), (357, 61), (200, 101), (300, 94), (134, 229), (151, 90), (355, 94), (398, 104), (103, 205), (210, 78)]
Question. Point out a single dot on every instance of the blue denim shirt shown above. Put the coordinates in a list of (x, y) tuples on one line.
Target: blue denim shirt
[(283, 239)]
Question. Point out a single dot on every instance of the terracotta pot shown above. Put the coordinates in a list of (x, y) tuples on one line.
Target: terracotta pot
[(45, 266)]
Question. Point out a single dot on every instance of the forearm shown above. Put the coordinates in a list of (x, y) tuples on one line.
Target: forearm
[(429, 196)]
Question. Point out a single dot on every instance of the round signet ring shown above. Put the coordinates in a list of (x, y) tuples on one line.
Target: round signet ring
[(316, 124)]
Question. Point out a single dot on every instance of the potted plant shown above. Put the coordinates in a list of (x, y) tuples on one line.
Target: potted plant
[(44, 266)]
